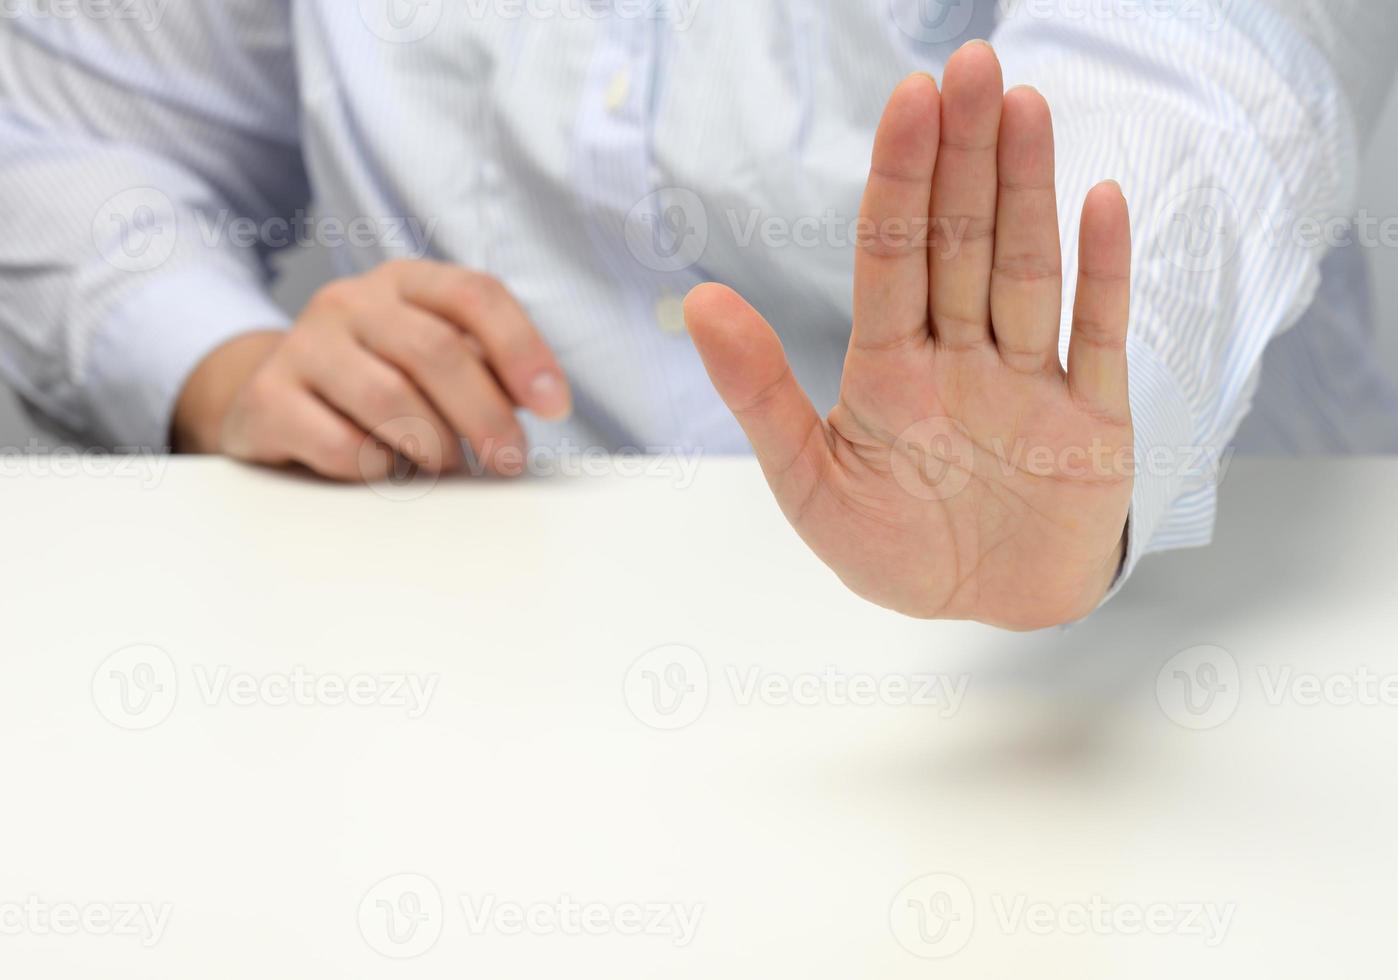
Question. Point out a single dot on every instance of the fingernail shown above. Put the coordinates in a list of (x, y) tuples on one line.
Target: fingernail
[(548, 396)]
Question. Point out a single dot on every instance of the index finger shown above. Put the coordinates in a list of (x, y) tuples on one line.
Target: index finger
[(483, 308), (890, 265)]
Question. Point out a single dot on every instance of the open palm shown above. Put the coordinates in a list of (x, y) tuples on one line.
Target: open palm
[(964, 473)]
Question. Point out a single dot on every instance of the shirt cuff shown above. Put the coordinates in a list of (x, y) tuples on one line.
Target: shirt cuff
[(155, 338), (1175, 491)]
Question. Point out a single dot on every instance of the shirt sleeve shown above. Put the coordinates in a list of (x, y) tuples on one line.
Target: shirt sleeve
[(1233, 127), (142, 155)]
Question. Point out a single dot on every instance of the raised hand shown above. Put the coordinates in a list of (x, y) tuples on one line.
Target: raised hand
[(964, 473)]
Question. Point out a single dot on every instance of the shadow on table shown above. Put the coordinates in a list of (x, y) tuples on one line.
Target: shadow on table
[(1286, 538)]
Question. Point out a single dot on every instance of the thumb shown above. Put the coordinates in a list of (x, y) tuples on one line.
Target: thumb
[(748, 367)]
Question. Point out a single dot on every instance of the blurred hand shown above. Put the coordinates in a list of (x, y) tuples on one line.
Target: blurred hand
[(415, 353), (963, 474)]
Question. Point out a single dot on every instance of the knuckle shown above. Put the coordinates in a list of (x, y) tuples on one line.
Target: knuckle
[(1027, 268), (396, 268), (338, 296), (519, 353), (490, 288), (881, 247), (435, 347), (264, 392), (354, 456), (300, 344), (523, 352), (342, 451), (474, 292), (949, 233), (385, 396)]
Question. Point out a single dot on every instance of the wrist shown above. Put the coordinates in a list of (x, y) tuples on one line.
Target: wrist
[(211, 387), (1102, 580), (1114, 566)]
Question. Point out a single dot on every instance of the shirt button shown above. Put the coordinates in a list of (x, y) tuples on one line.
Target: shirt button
[(618, 90), (669, 314)]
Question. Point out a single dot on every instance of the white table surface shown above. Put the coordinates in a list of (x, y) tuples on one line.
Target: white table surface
[(1077, 819)]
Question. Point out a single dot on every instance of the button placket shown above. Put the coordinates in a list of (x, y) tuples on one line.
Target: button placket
[(648, 235)]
